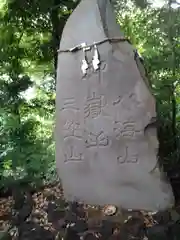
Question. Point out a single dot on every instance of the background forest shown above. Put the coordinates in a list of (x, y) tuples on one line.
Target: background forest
[(30, 32)]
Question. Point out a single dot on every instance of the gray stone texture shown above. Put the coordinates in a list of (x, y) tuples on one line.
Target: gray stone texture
[(106, 140)]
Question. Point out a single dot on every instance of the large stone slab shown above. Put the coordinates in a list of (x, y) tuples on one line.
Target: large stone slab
[(106, 141)]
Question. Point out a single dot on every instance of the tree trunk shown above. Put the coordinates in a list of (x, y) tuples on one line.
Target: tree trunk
[(173, 74), (55, 32)]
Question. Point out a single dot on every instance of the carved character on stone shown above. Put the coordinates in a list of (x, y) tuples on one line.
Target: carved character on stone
[(93, 106), (126, 129), (117, 101), (96, 140), (69, 104), (127, 157), (72, 155), (134, 99), (72, 129)]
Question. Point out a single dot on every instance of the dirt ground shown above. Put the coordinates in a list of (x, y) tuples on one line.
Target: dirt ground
[(46, 215)]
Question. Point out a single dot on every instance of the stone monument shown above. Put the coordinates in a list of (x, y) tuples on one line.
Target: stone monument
[(106, 140)]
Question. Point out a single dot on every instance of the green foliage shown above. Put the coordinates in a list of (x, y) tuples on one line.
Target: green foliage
[(29, 38), (30, 35)]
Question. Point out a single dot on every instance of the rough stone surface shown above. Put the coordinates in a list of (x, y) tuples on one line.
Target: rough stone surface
[(106, 141)]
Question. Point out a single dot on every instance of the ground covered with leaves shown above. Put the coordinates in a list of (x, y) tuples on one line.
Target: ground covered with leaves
[(46, 215)]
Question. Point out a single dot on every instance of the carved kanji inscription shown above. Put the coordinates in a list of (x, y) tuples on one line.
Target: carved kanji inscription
[(127, 157), (117, 101), (93, 106), (72, 129), (126, 129), (69, 104), (96, 140), (134, 99), (72, 155)]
